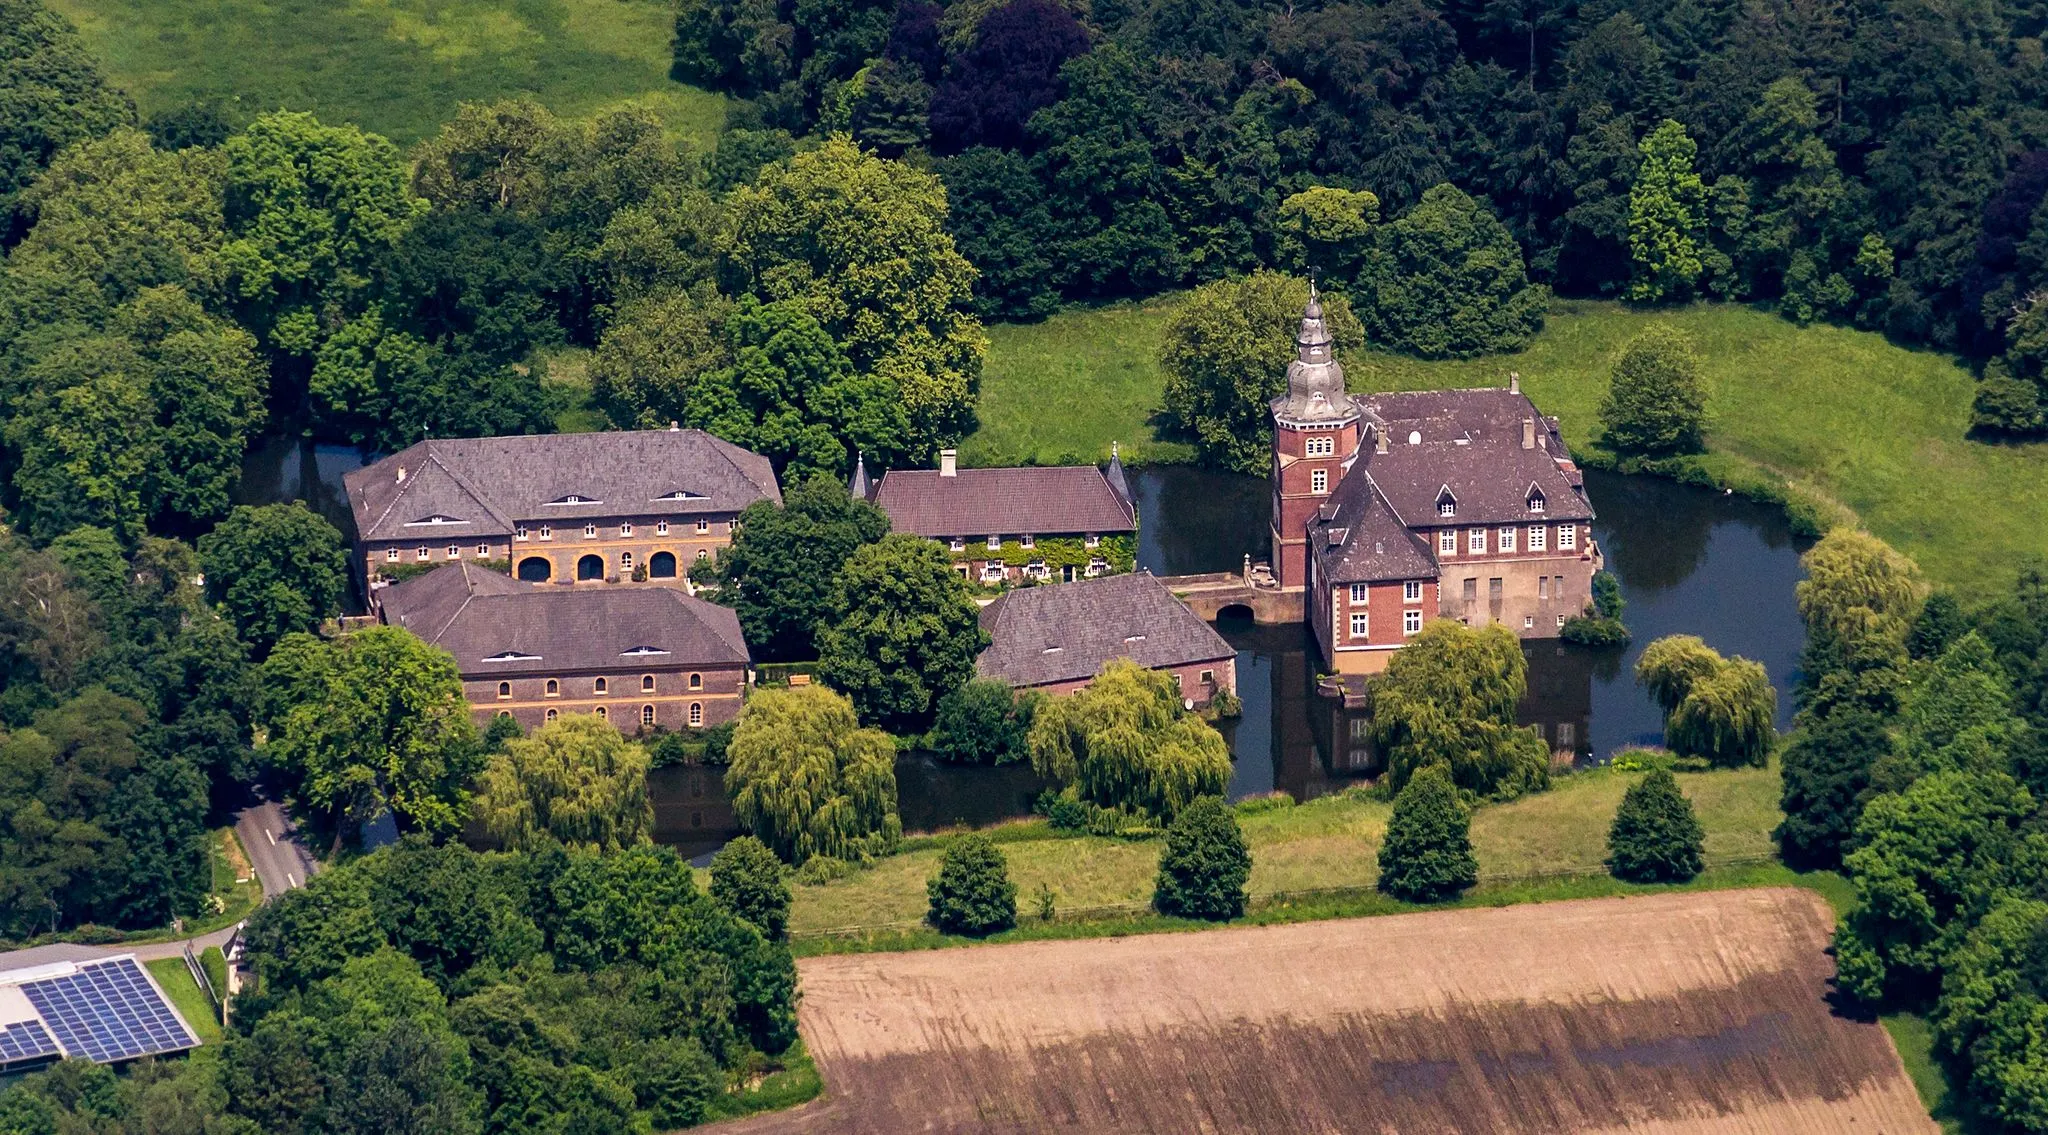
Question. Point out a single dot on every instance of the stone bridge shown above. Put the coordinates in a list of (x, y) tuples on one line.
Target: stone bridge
[(1209, 595)]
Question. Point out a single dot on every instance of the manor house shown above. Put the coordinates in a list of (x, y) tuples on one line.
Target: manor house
[(563, 508), (1010, 525), (1393, 509)]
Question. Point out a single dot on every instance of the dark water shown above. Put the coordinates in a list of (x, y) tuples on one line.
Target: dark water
[(1690, 561)]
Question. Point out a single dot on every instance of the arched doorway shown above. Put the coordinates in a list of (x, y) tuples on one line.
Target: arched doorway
[(536, 569), (661, 565), (590, 567)]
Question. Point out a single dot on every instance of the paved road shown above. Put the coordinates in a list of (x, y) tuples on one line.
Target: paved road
[(272, 842)]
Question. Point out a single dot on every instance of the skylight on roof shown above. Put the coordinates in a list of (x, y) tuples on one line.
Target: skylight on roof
[(641, 652)]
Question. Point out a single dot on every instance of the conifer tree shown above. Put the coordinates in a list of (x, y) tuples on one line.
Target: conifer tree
[(972, 893), (1655, 837), (1427, 854), (1206, 864)]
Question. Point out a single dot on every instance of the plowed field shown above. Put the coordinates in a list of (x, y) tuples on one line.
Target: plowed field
[(1669, 1014)]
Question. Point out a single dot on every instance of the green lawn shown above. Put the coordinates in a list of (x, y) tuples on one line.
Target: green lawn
[(1328, 843), (185, 994), (1843, 415), (397, 67)]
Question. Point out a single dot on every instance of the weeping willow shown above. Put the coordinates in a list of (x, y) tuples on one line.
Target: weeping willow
[(1125, 741), (576, 780), (1726, 717), (807, 780)]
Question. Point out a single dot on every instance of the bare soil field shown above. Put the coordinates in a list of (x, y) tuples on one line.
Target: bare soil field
[(1672, 1014)]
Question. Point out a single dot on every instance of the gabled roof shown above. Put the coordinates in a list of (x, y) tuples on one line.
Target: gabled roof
[(1469, 442), (1360, 540), (1040, 501), (494, 624), (488, 485), (1066, 632)]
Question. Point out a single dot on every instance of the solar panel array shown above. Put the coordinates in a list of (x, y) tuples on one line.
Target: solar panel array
[(25, 1041), (108, 1011)]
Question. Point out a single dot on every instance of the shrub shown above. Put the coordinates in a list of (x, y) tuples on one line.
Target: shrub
[(983, 722), (1655, 401), (2006, 407), (1655, 837), (1205, 865), (1594, 630), (1427, 854), (746, 879), (972, 893), (821, 869)]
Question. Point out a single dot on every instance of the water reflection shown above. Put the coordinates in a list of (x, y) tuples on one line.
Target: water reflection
[(287, 468)]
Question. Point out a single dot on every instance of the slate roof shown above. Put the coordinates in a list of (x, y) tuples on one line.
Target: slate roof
[(1356, 538), (1471, 442), (1065, 632), (486, 486), (497, 625), (975, 503)]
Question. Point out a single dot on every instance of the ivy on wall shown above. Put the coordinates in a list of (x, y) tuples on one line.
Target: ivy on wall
[(1121, 552), (403, 570)]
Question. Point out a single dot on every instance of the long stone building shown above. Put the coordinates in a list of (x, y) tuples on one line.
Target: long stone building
[(560, 508), (1393, 509), (1017, 524)]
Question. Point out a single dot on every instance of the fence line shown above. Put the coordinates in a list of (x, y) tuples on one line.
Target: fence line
[(199, 975), (1268, 898)]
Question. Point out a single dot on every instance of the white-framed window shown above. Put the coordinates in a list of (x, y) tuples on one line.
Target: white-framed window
[(992, 571), (1028, 540), (1320, 447), (661, 528), (1035, 569), (1560, 620), (1359, 625), (601, 714), (702, 555), (704, 526), (554, 688), (590, 532), (483, 550), (696, 713), (1475, 541), (1097, 566), (519, 533), (1319, 481), (957, 544), (600, 687), (626, 563), (1536, 502), (1091, 541), (551, 715), (454, 552), (696, 681), (1447, 508), (625, 528), (995, 543), (646, 715), (391, 553), (1359, 592), (1507, 539), (1528, 622), (1411, 622), (421, 552), (547, 532), (504, 690), (646, 683), (1447, 542), (1411, 591), (1539, 538), (1567, 536)]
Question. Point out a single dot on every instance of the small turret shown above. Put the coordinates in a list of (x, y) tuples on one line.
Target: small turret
[(858, 487), (1115, 476), (1315, 379)]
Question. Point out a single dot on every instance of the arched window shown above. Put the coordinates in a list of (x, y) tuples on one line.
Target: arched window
[(661, 565), (504, 689), (646, 715), (696, 713), (590, 567), (536, 569), (625, 563), (696, 681), (554, 688), (600, 713), (702, 555), (646, 683), (551, 715), (504, 713), (600, 687)]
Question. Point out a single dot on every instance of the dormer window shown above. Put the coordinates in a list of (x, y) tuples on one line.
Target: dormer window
[(680, 495), (642, 652), (1447, 508), (995, 543), (436, 519), (512, 656), (1535, 499), (574, 498)]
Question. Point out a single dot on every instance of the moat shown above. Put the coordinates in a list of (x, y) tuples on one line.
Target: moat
[(1690, 560)]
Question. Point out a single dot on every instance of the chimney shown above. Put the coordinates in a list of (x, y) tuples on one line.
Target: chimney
[(949, 462), (1514, 382), (1379, 441), (1528, 433), (675, 427), (401, 474)]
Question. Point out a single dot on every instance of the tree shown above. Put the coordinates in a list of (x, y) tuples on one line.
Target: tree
[(1938, 625), (1126, 742), (1993, 1012), (983, 722), (1826, 772), (51, 96), (807, 780), (1667, 218), (652, 354), (781, 568), (1655, 837), (1009, 73), (1656, 403), (378, 723), (972, 894), (998, 213), (1225, 352), (1449, 698), (275, 569), (746, 879), (1726, 717), (903, 632), (1205, 865), (1669, 667), (576, 781), (860, 244), (405, 1080), (1446, 280), (1929, 863), (1427, 853)]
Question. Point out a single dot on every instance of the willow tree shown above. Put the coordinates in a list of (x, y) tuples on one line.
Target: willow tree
[(1449, 697), (1670, 666), (807, 780), (1126, 742), (576, 780), (1726, 717), (1858, 600)]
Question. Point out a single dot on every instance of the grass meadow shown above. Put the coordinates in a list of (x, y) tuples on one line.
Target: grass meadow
[(1844, 416), (396, 67), (1324, 844), (184, 993)]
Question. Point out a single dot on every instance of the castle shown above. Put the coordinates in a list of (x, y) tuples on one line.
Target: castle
[(1393, 509)]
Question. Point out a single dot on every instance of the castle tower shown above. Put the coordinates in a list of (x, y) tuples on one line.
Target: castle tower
[(1316, 432)]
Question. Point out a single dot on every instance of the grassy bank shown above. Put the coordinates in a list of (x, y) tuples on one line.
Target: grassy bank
[(1842, 415), (1321, 848), (397, 67), (186, 996)]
